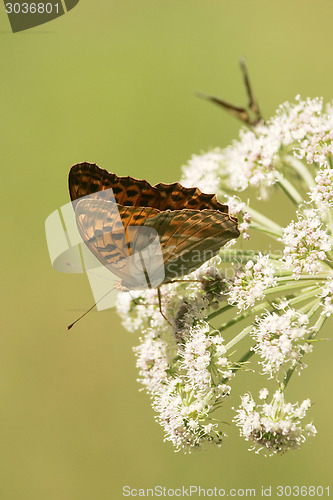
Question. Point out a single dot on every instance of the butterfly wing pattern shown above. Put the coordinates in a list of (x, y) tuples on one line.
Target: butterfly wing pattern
[(124, 221)]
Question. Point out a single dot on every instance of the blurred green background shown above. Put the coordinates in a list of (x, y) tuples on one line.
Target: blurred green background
[(113, 82)]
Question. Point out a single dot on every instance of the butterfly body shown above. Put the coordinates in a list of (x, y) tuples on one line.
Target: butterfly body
[(125, 221)]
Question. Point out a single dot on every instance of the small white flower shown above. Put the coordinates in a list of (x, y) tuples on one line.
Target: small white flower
[(275, 427), (263, 393)]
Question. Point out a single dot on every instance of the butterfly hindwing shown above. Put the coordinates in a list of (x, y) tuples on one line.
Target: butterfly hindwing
[(143, 233), (190, 237)]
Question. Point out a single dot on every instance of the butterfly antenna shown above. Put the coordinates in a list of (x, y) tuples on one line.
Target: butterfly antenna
[(239, 112), (252, 104), (90, 308)]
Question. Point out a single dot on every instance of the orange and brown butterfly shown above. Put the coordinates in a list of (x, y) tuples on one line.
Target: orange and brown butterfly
[(112, 214)]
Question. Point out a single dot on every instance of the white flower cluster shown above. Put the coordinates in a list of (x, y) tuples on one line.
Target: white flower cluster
[(249, 284), (315, 131), (250, 161), (186, 384), (322, 193), (185, 417), (327, 297), (306, 243), (281, 340), (276, 427), (303, 127)]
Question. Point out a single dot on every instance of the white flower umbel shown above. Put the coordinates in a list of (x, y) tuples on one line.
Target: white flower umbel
[(306, 243), (276, 427), (184, 415), (276, 299), (249, 284), (302, 127), (281, 340), (186, 384)]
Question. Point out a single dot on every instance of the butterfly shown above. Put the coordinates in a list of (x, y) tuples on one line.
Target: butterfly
[(147, 235)]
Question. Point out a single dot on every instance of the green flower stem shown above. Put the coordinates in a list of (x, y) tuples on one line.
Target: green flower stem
[(265, 230), (239, 337), (314, 308), (329, 263), (254, 310), (219, 311), (317, 326), (302, 278), (330, 221), (289, 190), (309, 293), (243, 360), (301, 169), (251, 311), (285, 288), (246, 255), (265, 222), (305, 296)]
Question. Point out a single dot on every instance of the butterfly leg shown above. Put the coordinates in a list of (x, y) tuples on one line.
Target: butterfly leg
[(160, 305)]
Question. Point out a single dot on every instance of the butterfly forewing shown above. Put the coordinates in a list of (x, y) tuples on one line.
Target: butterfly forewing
[(191, 237), (87, 178)]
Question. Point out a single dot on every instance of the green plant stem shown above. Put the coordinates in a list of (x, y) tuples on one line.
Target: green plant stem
[(301, 169), (243, 360), (265, 230), (250, 312), (284, 288), (314, 308), (304, 296), (239, 337), (263, 223), (289, 190), (329, 263), (219, 311)]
